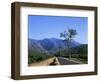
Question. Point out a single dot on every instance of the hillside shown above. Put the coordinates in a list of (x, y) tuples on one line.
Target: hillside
[(49, 45)]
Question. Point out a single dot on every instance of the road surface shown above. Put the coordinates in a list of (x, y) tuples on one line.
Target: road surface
[(64, 61)]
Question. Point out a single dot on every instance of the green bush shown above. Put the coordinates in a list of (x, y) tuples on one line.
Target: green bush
[(34, 56)]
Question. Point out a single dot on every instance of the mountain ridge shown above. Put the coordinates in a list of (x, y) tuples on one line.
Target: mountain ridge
[(49, 45)]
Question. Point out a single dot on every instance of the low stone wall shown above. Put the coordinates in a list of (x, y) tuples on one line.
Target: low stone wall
[(57, 62)]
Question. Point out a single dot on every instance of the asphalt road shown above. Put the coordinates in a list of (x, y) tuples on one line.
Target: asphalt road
[(64, 61)]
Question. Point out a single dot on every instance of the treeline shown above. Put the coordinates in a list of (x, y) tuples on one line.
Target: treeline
[(75, 52)]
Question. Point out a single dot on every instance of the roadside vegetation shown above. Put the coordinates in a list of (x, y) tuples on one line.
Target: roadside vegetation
[(34, 56), (78, 53)]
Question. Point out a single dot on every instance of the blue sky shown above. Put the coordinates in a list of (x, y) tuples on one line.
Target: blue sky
[(40, 27)]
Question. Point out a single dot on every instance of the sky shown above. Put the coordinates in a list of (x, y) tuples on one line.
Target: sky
[(40, 27)]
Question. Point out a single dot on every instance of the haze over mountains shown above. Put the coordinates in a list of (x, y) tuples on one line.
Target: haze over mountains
[(49, 45)]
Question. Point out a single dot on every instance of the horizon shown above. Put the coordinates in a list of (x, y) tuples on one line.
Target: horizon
[(41, 27)]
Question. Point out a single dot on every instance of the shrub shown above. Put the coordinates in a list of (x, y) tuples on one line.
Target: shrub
[(34, 56)]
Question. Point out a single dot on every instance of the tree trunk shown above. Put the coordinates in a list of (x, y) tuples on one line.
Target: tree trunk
[(69, 49)]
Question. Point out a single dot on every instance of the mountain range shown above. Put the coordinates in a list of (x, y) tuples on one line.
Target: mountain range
[(50, 45)]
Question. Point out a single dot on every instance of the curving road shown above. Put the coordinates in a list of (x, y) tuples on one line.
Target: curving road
[(64, 61)]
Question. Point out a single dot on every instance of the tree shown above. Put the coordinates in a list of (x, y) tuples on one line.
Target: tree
[(83, 51), (68, 37)]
